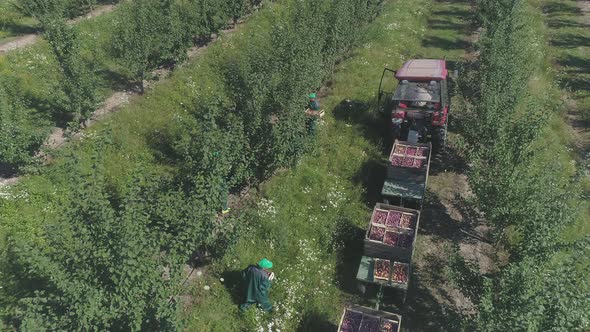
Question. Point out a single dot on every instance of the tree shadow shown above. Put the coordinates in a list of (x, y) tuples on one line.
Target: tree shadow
[(117, 81), (448, 160), (360, 113), (571, 41), (445, 43), (17, 29), (575, 64), (48, 108), (423, 312), (9, 170), (460, 13), (440, 24), (435, 219), (561, 8), (557, 23), (575, 84), (315, 321)]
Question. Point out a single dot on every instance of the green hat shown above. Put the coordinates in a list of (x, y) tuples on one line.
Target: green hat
[(265, 264), (311, 95)]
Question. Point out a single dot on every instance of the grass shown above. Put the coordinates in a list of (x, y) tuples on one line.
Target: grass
[(569, 33)]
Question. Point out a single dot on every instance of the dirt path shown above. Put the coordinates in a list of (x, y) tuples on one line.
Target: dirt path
[(19, 42), (59, 136), (447, 224), (26, 40)]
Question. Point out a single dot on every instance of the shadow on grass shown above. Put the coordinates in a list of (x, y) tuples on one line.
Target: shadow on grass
[(17, 29), (558, 23), (440, 24), (445, 43), (575, 64), (461, 13), (49, 108), (371, 177), (561, 8), (372, 124), (233, 283), (117, 81), (570, 41), (349, 257), (315, 321), (575, 84), (8, 170)]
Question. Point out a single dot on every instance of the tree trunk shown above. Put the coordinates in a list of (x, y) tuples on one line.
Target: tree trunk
[(141, 87)]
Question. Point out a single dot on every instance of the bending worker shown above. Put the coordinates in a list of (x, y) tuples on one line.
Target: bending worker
[(258, 279)]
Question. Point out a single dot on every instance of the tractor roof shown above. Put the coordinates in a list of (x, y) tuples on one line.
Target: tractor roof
[(423, 70)]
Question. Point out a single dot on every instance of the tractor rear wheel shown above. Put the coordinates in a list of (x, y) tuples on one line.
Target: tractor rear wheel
[(439, 139)]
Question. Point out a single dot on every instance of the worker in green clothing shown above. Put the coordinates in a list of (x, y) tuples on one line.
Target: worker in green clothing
[(314, 113), (314, 103), (258, 280)]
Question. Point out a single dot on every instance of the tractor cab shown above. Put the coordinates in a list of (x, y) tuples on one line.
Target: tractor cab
[(416, 100)]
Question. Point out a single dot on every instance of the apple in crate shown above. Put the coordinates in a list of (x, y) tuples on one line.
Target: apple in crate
[(380, 216), (369, 324), (381, 269), (393, 218), (351, 321), (388, 325), (377, 233), (400, 273)]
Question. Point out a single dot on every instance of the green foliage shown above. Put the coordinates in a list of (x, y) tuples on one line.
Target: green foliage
[(523, 185), (79, 80), (41, 9), (100, 268), (20, 133), (536, 295), (147, 34)]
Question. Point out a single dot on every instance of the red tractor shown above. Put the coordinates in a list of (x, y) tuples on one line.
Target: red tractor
[(418, 108)]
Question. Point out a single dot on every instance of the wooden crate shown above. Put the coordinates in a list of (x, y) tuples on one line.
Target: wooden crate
[(403, 185), (382, 315), (381, 250), (412, 170), (366, 274)]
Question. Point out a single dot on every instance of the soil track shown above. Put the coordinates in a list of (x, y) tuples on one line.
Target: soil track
[(29, 39)]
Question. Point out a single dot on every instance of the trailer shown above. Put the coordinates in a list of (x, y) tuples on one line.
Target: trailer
[(363, 319), (407, 174)]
